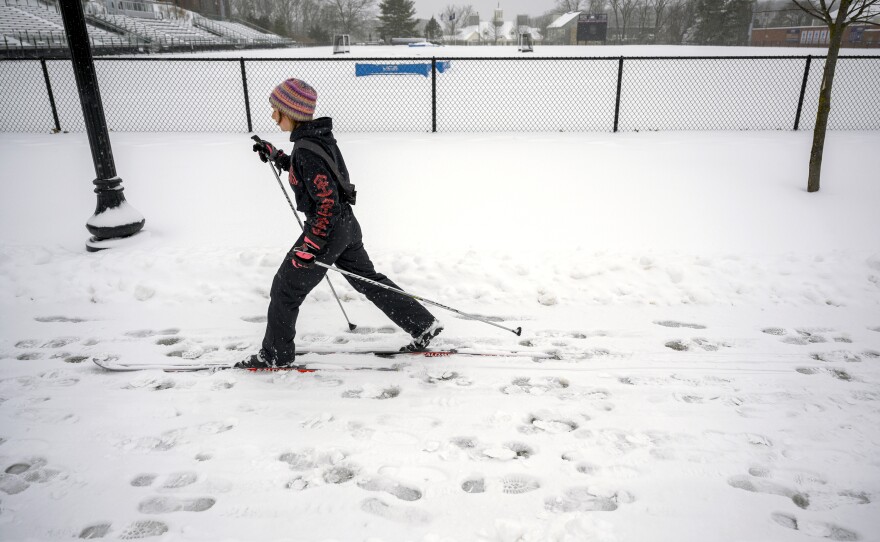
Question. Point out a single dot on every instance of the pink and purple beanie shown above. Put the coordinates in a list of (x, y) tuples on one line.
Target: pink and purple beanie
[(295, 98)]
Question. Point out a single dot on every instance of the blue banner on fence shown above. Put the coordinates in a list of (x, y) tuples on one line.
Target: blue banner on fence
[(423, 69)]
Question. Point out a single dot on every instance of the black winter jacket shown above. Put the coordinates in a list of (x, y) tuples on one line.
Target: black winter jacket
[(315, 188)]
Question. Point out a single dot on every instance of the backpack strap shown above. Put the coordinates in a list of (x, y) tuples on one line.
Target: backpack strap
[(347, 188)]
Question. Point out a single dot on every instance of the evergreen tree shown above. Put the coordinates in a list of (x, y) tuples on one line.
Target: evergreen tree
[(722, 22), (397, 18), (433, 30)]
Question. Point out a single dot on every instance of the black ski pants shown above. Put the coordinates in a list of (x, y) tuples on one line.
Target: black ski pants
[(345, 249)]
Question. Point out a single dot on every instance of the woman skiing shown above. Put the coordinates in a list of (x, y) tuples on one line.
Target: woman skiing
[(332, 235)]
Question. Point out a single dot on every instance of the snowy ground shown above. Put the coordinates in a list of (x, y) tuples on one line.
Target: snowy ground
[(717, 327)]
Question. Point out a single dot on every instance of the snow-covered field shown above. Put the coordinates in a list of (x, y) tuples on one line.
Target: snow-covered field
[(717, 330)]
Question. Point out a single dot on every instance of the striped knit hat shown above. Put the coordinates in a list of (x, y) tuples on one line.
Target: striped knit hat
[(294, 98)]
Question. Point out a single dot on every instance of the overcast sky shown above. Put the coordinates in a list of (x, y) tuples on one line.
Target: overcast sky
[(512, 8)]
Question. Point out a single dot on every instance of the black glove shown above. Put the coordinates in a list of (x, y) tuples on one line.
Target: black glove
[(304, 255), (265, 150)]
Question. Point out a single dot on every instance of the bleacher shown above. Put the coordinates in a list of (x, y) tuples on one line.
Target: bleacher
[(35, 24), (245, 31), (160, 30), (23, 27)]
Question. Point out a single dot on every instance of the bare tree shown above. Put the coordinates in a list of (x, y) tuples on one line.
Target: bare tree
[(846, 13), (286, 15), (351, 14), (644, 13), (783, 15), (493, 32), (680, 18), (623, 12), (455, 17), (660, 11), (598, 6), (567, 6)]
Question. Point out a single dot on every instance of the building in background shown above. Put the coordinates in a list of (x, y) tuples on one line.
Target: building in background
[(854, 36)]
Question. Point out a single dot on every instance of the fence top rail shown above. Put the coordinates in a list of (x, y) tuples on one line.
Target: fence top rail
[(492, 58), (422, 59)]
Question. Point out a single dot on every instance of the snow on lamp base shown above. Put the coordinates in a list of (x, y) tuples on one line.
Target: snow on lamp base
[(114, 219)]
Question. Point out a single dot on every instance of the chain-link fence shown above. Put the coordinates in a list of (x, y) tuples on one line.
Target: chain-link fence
[(450, 95)]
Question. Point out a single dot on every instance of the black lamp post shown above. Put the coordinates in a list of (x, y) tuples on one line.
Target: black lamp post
[(114, 218)]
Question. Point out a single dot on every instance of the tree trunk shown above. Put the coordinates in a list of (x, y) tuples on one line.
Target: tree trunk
[(835, 38)]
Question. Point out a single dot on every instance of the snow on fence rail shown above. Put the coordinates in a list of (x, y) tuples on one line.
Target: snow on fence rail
[(470, 95)]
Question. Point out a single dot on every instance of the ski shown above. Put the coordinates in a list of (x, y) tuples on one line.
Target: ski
[(115, 365)]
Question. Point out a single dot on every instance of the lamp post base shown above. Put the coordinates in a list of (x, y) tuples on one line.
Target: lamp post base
[(94, 244), (114, 218)]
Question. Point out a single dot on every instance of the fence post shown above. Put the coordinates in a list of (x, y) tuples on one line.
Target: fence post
[(51, 95), (617, 101), (797, 117), (247, 101), (433, 94)]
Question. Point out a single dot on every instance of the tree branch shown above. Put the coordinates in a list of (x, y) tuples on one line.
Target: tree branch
[(811, 11), (859, 15)]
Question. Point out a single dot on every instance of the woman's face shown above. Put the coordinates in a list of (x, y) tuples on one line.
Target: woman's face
[(282, 121)]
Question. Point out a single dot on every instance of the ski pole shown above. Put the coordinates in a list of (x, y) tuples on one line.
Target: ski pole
[(517, 331), (302, 227)]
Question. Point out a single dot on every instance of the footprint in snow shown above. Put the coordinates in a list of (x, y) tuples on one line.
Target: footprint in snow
[(178, 480), (514, 484), (390, 486), (29, 356), (75, 359), (143, 480), (27, 343), (339, 474), (673, 323), (165, 505), (99, 530), (813, 487), (169, 341), (194, 352), (696, 342), (465, 443), (546, 422), (805, 337), (534, 386), (761, 485), (60, 319), (510, 484), (144, 333), (19, 476), (818, 529), (384, 393), (474, 485), (59, 342), (582, 499), (143, 529), (398, 514), (436, 377), (509, 450), (151, 383), (837, 356), (840, 374)]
